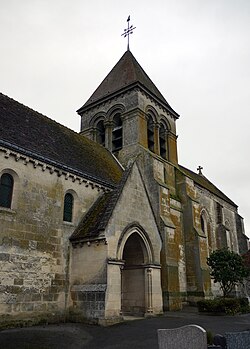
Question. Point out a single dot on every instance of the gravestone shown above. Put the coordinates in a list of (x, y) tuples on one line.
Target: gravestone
[(238, 340), (220, 341), (186, 337)]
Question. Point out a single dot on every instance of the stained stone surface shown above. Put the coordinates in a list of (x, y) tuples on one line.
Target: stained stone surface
[(186, 337), (238, 340)]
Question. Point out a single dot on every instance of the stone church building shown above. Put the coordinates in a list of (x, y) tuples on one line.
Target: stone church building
[(105, 223)]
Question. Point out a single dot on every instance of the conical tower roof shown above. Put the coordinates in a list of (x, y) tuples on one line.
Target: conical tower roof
[(126, 74)]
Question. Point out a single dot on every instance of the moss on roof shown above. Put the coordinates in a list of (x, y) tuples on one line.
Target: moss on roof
[(34, 132), (89, 227), (97, 218)]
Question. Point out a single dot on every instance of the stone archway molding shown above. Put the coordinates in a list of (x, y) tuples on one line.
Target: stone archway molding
[(148, 266), (135, 228)]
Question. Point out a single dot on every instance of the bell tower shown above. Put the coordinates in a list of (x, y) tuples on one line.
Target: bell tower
[(130, 117), (127, 112)]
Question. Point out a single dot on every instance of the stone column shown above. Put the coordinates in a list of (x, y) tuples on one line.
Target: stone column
[(94, 134), (156, 139), (113, 292), (121, 269), (149, 298), (172, 148), (108, 135), (142, 128)]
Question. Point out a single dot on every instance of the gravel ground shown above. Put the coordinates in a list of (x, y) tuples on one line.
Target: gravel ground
[(140, 333)]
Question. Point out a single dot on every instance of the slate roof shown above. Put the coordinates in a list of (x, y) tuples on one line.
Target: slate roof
[(127, 73), (31, 133), (203, 182), (97, 218)]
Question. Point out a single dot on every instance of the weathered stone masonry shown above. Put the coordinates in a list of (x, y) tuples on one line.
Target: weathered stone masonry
[(34, 245)]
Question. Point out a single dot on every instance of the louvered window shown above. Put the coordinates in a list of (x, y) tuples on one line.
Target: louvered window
[(150, 130), (68, 207), (162, 139), (117, 133), (6, 190)]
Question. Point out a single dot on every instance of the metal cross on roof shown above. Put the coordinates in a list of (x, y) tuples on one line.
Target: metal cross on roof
[(199, 170), (128, 31)]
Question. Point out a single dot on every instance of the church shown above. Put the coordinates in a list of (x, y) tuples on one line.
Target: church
[(105, 223)]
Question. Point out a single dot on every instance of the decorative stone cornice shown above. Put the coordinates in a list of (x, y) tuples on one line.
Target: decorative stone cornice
[(37, 164), (203, 191), (116, 261), (107, 100), (89, 242)]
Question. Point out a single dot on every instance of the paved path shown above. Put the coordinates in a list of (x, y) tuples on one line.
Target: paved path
[(128, 335)]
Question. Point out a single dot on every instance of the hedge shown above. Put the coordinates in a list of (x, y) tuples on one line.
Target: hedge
[(229, 306)]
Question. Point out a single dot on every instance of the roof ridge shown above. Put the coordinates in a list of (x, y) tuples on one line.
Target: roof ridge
[(107, 202), (101, 201), (31, 131), (216, 192)]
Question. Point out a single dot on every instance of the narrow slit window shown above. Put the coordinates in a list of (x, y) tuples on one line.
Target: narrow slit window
[(219, 213), (203, 224), (6, 190), (68, 207)]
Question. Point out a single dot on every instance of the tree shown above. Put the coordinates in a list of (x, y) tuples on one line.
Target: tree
[(246, 257), (227, 268)]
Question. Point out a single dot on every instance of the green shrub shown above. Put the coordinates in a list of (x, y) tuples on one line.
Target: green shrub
[(244, 305), (210, 337), (229, 306), (243, 302), (228, 269)]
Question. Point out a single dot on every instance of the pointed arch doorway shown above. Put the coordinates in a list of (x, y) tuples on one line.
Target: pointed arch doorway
[(136, 287)]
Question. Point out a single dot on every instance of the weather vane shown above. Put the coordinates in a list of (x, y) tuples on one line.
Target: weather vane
[(128, 31)]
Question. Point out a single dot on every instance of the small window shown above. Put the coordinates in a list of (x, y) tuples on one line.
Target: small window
[(6, 190), (228, 240), (206, 228), (100, 134), (219, 213), (68, 207), (117, 133), (150, 130), (203, 227)]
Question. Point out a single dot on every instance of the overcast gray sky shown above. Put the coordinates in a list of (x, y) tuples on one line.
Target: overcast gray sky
[(54, 53)]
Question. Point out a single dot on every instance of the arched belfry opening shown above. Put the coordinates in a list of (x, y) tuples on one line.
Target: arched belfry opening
[(163, 141), (150, 132), (117, 133), (100, 133), (134, 285)]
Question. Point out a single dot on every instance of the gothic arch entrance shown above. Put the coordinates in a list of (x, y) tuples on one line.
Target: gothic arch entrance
[(134, 283)]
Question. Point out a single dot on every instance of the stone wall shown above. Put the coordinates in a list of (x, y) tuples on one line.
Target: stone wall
[(159, 178), (88, 280), (133, 215), (98, 267), (219, 230), (34, 247)]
